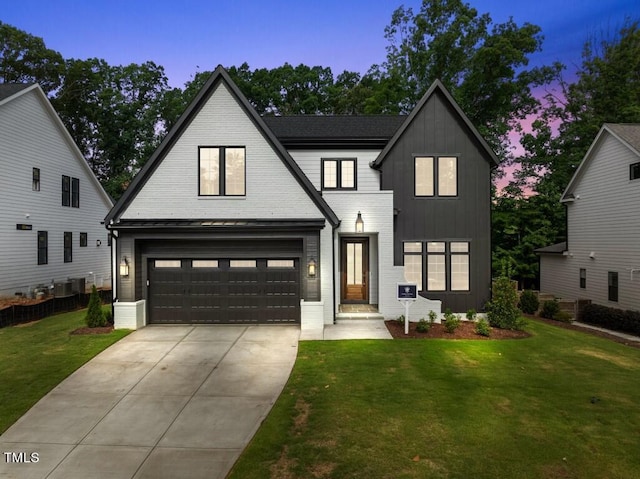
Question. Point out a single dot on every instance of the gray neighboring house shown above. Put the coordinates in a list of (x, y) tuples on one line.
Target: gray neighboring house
[(51, 204), (238, 218), (601, 260)]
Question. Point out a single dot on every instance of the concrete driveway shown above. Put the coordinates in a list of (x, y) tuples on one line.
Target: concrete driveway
[(164, 402)]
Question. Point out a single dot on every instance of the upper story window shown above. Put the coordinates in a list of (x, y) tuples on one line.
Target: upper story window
[(339, 174), (634, 171), (70, 191), (35, 181), (221, 171), (436, 176)]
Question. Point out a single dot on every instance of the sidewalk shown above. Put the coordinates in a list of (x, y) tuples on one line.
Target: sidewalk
[(625, 336)]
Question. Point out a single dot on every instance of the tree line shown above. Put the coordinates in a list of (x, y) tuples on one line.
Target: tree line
[(118, 114)]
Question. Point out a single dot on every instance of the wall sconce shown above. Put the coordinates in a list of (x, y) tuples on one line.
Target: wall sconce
[(98, 243), (311, 268), (124, 267), (359, 223)]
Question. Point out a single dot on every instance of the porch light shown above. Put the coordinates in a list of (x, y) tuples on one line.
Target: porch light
[(124, 267), (98, 243), (359, 223), (311, 268)]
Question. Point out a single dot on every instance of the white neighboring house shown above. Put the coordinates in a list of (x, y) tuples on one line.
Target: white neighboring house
[(51, 204), (601, 260)]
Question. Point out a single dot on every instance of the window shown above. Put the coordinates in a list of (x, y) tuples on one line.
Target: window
[(83, 240), (43, 247), (613, 286), (35, 182), (222, 178), (242, 263), (634, 171), (438, 265), (339, 174), (204, 263), (280, 263), (167, 263), (66, 190), (75, 193), (68, 247), (427, 169), (583, 278)]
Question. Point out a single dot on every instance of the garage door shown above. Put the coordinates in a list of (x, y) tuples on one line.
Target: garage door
[(224, 291)]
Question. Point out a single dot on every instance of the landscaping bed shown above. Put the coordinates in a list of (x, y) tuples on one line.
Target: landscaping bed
[(466, 330)]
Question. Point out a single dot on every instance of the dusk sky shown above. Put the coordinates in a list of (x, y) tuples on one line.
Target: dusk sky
[(195, 35)]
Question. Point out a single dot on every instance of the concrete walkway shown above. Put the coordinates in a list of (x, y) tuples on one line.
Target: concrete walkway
[(349, 329), (628, 337), (164, 402)]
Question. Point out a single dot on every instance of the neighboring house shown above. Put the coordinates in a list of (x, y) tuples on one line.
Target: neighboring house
[(239, 218), (601, 260), (51, 204)]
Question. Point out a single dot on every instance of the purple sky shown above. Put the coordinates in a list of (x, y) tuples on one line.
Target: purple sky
[(192, 35)]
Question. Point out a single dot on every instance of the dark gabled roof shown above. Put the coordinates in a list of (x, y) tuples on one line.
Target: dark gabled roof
[(245, 224), (435, 86), (557, 248), (372, 131), (220, 75), (10, 89)]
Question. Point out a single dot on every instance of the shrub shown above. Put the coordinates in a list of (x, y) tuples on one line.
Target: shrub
[(432, 316), (483, 328), (528, 302), (612, 318), (471, 314), (400, 319), (108, 316), (423, 326), (95, 316), (448, 314), (550, 308), (452, 323), (563, 316), (502, 310)]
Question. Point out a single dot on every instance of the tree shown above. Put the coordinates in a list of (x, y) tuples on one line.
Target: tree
[(95, 317), (484, 65), (24, 58)]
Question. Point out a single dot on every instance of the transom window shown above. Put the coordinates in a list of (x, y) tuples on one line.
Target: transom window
[(436, 176), (634, 171), (437, 265), (222, 171), (339, 174)]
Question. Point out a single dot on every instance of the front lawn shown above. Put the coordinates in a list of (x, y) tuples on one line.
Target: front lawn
[(560, 404), (36, 357)]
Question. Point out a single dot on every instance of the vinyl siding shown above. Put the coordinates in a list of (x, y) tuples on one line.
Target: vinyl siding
[(271, 190), (310, 161), (605, 220), (31, 136)]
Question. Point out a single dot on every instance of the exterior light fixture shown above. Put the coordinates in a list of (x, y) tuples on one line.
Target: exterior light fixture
[(98, 243), (311, 268), (359, 223), (124, 267)]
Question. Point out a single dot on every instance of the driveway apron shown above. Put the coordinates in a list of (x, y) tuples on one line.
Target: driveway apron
[(164, 402)]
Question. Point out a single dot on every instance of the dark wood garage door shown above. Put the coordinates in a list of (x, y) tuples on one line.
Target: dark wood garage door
[(224, 291)]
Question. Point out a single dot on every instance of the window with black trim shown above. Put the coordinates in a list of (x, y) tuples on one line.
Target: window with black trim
[(68, 247), (75, 193), (221, 171), (438, 265), (339, 174), (66, 190), (43, 247), (436, 176), (35, 179), (613, 286), (83, 240), (583, 278), (634, 171)]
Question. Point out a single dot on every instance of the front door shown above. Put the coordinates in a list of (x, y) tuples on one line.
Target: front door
[(355, 270)]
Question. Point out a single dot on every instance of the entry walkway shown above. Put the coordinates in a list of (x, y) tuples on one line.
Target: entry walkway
[(166, 401)]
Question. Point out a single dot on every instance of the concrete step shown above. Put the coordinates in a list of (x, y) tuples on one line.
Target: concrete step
[(358, 316)]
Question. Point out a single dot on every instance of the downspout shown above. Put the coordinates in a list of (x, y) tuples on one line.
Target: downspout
[(114, 270), (333, 269)]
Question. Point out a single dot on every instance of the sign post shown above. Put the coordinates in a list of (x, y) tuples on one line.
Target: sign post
[(406, 293)]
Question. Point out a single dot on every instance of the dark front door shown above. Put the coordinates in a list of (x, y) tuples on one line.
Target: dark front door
[(355, 270)]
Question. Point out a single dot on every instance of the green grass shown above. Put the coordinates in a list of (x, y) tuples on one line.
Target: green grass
[(36, 357), (560, 404)]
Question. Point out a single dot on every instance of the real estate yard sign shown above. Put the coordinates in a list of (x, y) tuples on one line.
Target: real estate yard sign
[(406, 293)]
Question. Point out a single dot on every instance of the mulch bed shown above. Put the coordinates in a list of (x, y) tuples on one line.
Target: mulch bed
[(466, 330)]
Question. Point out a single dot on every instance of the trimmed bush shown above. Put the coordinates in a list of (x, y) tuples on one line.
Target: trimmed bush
[(563, 316), (423, 326), (612, 318), (528, 302), (502, 310), (471, 314), (95, 316), (550, 309), (452, 323), (483, 328)]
